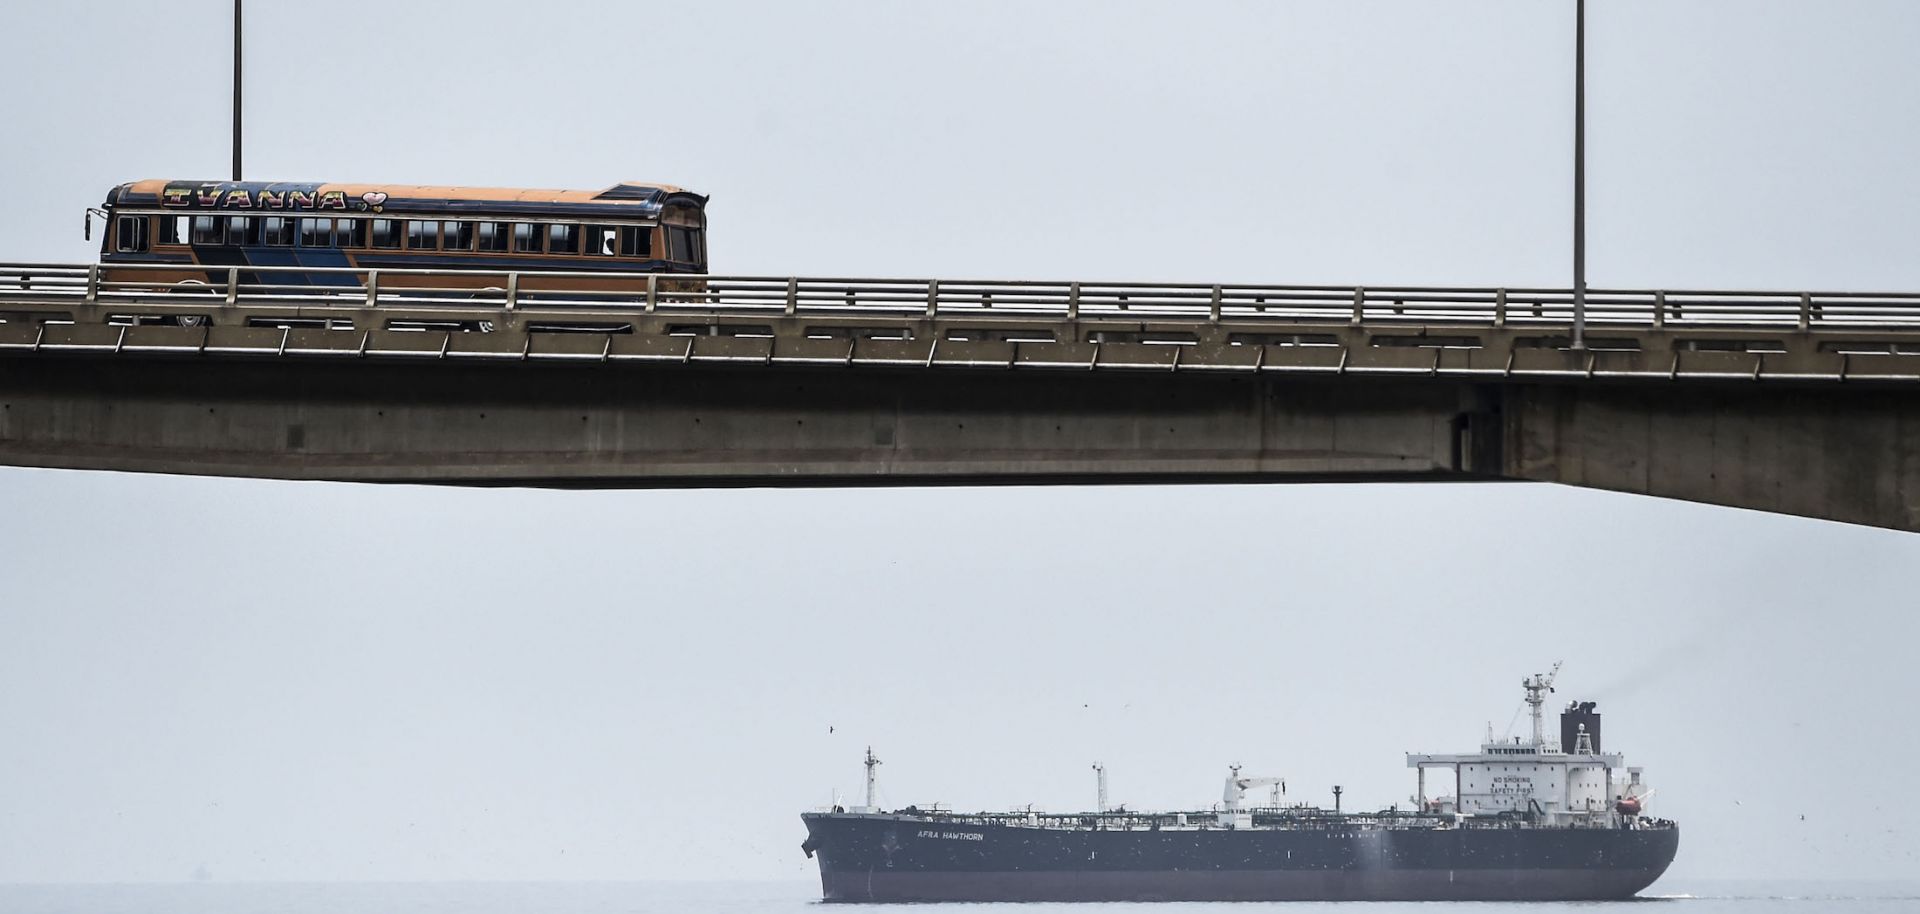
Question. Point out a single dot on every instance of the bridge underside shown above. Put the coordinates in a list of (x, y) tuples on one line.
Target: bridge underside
[(1836, 451)]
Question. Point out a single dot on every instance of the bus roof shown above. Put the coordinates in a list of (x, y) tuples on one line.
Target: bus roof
[(628, 199)]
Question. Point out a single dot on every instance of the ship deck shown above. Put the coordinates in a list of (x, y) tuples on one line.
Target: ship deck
[(1263, 818)]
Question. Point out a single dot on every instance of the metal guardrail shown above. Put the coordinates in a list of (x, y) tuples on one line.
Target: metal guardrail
[(934, 322), (291, 286)]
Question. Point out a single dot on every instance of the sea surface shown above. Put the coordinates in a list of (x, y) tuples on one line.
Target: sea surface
[(789, 898)]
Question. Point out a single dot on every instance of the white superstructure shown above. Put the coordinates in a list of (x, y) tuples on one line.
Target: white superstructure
[(1561, 781)]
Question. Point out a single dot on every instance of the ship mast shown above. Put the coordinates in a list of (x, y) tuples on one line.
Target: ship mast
[(1100, 775), (1537, 687), (870, 763)]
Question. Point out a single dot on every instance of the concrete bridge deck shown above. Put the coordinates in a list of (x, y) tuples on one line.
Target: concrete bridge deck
[(1791, 402)]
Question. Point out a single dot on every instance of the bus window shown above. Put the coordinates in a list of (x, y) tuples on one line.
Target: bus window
[(603, 240), (316, 233), (386, 233), (527, 237), (636, 241), (276, 231), (130, 234), (493, 236), (241, 230), (174, 229), (458, 235), (205, 231), (350, 233), (681, 246), (563, 238), (422, 235)]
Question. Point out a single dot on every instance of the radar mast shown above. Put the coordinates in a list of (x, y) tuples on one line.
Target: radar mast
[(1538, 686), (870, 763)]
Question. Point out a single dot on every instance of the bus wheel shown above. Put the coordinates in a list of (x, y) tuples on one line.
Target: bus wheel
[(191, 287)]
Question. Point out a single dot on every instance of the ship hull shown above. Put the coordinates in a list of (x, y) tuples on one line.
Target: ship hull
[(868, 858)]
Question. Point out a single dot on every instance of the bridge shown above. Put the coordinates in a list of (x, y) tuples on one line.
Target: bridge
[(1794, 402)]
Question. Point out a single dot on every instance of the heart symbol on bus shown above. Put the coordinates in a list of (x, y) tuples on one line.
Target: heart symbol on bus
[(373, 199)]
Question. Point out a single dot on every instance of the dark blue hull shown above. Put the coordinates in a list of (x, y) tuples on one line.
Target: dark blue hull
[(888, 858)]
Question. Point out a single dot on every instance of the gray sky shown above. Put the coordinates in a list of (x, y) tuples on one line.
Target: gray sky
[(306, 681)]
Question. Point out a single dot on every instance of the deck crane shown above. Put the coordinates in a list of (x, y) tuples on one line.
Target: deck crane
[(1237, 786), (1538, 686)]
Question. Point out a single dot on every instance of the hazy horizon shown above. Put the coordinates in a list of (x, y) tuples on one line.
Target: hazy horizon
[(310, 681)]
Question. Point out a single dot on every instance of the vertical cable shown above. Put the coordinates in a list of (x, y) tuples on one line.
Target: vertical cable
[(236, 90), (1580, 175)]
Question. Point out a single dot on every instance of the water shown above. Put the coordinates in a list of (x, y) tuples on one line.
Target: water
[(803, 898)]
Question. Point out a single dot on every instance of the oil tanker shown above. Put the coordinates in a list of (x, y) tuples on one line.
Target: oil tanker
[(1533, 819)]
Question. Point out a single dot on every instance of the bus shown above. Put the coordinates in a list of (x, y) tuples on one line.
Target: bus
[(189, 235)]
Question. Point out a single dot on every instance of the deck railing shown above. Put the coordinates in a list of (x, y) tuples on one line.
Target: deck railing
[(315, 289)]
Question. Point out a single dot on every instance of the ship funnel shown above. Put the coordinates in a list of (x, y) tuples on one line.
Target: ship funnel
[(1577, 721)]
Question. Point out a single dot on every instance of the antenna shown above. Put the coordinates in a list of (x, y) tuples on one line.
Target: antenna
[(870, 763), (1537, 686)]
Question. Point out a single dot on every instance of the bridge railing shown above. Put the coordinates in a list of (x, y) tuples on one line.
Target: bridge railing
[(318, 289)]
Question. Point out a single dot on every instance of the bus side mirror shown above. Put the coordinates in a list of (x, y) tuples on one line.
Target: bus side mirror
[(91, 212)]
